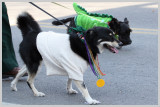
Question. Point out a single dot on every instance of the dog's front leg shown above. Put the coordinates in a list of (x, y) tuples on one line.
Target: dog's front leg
[(70, 90), (83, 89)]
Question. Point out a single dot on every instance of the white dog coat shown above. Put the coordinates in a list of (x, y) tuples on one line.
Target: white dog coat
[(58, 56)]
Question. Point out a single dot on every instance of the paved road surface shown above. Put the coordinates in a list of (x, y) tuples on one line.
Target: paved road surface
[(132, 74)]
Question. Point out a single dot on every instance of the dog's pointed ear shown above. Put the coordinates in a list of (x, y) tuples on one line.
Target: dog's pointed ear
[(126, 21)]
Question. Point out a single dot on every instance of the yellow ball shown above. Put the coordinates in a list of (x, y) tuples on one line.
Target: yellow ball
[(100, 83)]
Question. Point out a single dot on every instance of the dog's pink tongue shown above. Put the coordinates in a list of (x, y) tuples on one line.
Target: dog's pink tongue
[(114, 50)]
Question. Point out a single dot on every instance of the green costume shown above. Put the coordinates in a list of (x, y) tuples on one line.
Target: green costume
[(89, 20), (8, 55)]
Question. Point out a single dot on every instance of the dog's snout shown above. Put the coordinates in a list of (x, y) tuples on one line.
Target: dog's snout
[(120, 44)]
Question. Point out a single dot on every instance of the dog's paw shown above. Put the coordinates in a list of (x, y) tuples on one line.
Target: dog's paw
[(72, 91), (39, 94), (93, 102), (13, 87)]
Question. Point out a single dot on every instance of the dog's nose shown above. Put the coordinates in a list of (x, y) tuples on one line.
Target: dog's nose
[(120, 44)]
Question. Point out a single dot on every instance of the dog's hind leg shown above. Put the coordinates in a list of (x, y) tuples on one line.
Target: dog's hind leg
[(21, 72), (70, 90), (81, 86), (30, 82)]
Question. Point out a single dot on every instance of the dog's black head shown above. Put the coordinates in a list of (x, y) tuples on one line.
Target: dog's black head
[(122, 29), (98, 37)]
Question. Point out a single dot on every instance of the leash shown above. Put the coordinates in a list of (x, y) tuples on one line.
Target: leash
[(54, 17), (49, 14)]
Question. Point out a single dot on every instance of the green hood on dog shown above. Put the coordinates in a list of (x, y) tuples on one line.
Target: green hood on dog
[(89, 20)]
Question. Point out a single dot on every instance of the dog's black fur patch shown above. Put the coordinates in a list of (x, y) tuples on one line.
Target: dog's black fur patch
[(29, 85), (83, 84), (120, 28)]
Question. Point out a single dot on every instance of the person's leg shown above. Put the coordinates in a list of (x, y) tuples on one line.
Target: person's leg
[(9, 62)]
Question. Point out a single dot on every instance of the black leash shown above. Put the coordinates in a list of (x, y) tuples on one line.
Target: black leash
[(49, 14), (79, 34)]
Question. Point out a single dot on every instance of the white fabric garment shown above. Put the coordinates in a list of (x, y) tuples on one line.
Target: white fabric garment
[(58, 57)]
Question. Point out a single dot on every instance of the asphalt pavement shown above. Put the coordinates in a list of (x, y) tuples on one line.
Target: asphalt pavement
[(131, 75)]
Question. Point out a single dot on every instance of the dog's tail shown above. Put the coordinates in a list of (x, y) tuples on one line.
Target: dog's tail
[(63, 20), (26, 23)]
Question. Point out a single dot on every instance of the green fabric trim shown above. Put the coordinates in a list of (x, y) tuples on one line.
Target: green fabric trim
[(89, 20), (79, 10)]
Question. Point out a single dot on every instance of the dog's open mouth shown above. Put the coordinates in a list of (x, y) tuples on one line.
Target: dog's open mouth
[(112, 49)]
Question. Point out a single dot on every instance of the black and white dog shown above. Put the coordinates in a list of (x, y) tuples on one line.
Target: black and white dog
[(121, 28), (63, 54)]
